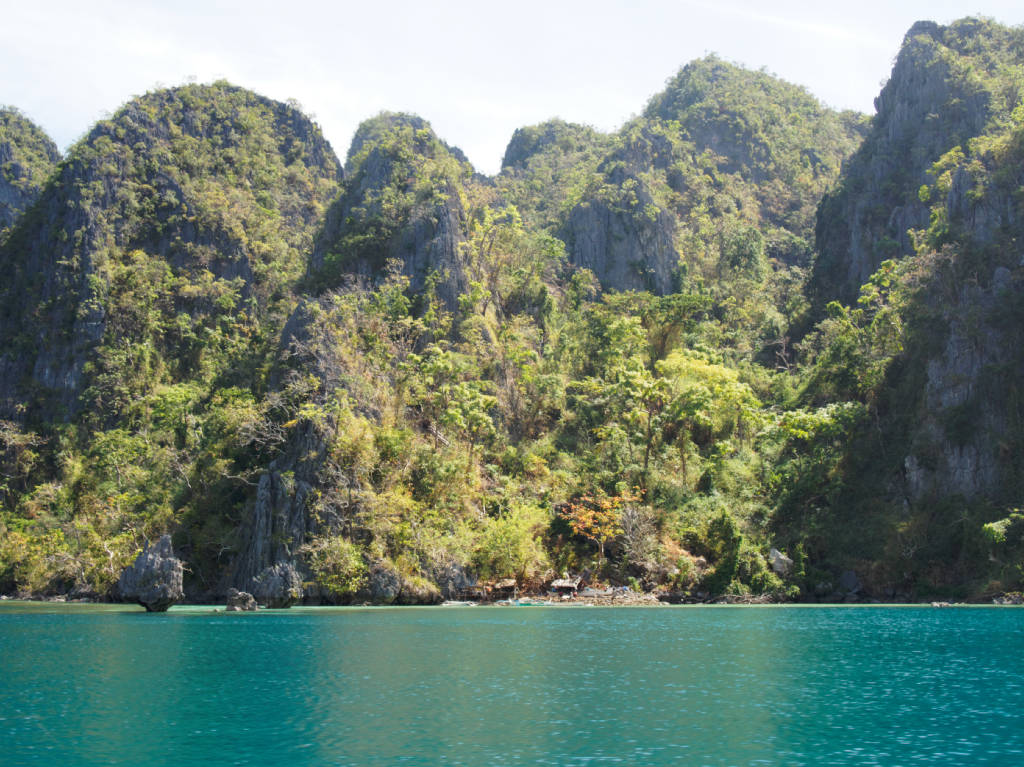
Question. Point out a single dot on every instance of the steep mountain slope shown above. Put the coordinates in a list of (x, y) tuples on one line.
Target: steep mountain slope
[(389, 385), (211, 193), (949, 84), (403, 199), (504, 373), (712, 189), (547, 168), (721, 152), (27, 158), (142, 307), (933, 345)]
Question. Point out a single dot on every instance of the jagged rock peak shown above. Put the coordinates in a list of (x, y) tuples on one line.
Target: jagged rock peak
[(959, 34), (154, 580), (401, 200), (948, 85), (28, 158), (208, 180), (922, 27), (933, 71), (753, 118), (763, 140)]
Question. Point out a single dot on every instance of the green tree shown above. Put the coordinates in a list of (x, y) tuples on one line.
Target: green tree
[(510, 545)]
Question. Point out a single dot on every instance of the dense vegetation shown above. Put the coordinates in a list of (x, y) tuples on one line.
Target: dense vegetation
[(27, 158), (144, 298), (608, 359)]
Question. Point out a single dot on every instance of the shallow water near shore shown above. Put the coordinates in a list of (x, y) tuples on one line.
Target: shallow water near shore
[(108, 684)]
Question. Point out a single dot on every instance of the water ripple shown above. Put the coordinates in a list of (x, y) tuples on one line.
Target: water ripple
[(515, 686)]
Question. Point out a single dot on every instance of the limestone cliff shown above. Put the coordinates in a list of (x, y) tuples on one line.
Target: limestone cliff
[(949, 84), (935, 192), (624, 237), (401, 199), (721, 148), (27, 159), (218, 185), (970, 435)]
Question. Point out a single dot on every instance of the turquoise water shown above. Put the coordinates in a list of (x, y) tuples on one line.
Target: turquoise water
[(84, 685)]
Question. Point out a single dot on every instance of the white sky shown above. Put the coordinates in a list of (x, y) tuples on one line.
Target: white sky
[(476, 69)]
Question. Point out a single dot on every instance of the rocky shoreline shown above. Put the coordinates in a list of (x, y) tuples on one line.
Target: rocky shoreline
[(243, 602), (155, 581)]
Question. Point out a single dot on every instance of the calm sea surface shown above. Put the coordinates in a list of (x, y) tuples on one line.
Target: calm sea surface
[(85, 685)]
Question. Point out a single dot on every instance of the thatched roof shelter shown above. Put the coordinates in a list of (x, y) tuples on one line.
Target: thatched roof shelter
[(566, 584)]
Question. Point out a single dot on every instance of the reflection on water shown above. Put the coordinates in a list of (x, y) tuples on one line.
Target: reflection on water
[(316, 686)]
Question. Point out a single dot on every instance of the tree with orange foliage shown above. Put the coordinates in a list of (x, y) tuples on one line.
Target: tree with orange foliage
[(598, 519)]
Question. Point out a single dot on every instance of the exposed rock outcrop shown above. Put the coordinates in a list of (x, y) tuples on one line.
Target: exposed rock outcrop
[(154, 580), (747, 149), (780, 563), (931, 103), (240, 601), (27, 158), (960, 442), (452, 579), (184, 178), (628, 244), (279, 586), (401, 200), (944, 159), (278, 514), (384, 583)]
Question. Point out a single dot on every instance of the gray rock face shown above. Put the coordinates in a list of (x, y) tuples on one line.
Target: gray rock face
[(452, 579), (424, 234), (965, 365), (278, 515), (925, 109), (279, 586), (54, 294), (780, 563), (155, 578), (384, 583), (278, 524), (384, 213), (27, 157), (965, 415), (629, 246), (240, 601), (963, 440)]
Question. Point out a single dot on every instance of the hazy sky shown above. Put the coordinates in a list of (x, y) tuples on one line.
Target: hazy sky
[(477, 70)]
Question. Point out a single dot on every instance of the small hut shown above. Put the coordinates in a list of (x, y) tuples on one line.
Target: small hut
[(566, 586), (472, 593), (505, 589)]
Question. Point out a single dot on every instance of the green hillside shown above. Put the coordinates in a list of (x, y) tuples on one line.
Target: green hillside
[(745, 347)]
